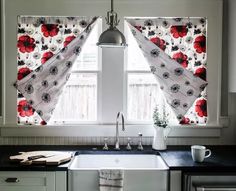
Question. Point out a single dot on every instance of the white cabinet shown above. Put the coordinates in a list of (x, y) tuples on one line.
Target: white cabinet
[(175, 180), (32, 181)]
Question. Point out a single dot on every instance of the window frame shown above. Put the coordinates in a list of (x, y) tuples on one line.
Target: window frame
[(10, 129)]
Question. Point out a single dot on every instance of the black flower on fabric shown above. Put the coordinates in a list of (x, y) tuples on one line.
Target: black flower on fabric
[(155, 53), (46, 97), (178, 19), (55, 83), (81, 37), (58, 57), (77, 50), (175, 88), (53, 70), (179, 71), (64, 49), (187, 83), (148, 22), (165, 24), (153, 69), (29, 88), (166, 75), (68, 64), (185, 105), (162, 65), (39, 69), (133, 32), (45, 83), (33, 76), (31, 102), (180, 117), (83, 23), (175, 103), (202, 87), (190, 92), (40, 112)]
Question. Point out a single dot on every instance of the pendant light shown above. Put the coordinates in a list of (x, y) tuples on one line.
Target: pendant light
[(112, 37)]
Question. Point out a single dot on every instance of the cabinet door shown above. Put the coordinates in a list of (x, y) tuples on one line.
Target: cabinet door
[(175, 180), (27, 181)]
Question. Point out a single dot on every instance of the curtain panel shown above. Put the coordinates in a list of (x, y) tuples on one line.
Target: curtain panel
[(47, 49), (175, 49)]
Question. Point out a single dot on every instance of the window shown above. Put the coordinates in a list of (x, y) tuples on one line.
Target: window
[(39, 39), (78, 102), (115, 103), (142, 88), (181, 39)]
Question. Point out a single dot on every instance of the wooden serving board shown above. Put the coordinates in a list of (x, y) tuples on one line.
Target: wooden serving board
[(48, 157)]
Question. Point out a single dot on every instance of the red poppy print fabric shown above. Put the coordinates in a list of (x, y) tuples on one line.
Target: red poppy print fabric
[(38, 40), (185, 41)]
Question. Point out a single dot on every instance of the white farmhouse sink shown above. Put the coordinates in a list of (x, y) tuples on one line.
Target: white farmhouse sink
[(142, 172), (113, 161)]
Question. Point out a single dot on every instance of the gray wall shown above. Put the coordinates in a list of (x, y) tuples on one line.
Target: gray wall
[(0, 60), (228, 102)]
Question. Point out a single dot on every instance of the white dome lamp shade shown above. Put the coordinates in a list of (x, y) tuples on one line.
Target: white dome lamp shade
[(112, 37)]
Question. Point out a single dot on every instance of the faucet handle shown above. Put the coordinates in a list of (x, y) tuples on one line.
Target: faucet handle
[(105, 144), (128, 147), (140, 146)]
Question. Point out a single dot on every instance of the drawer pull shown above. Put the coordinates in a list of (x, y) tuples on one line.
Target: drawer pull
[(12, 180)]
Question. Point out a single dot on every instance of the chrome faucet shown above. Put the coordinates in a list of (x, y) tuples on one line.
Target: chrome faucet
[(117, 143)]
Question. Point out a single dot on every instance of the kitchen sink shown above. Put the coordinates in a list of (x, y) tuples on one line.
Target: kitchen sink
[(141, 171)]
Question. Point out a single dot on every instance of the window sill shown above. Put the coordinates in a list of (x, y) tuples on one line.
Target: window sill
[(107, 131)]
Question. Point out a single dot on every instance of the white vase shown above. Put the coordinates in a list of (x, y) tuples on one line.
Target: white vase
[(159, 139)]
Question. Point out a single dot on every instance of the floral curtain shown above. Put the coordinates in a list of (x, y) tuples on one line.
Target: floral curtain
[(47, 48), (175, 49)]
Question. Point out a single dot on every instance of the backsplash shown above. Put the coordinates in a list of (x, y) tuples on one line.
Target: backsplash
[(100, 141)]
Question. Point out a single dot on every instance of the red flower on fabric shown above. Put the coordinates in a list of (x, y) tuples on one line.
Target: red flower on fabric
[(179, 31), (22, 72), (138, 28), (26, 44), (49, 30), (201, 107), (201, 73), (200, 44), (185, 121), (68, 40), (181, 59), (43, 123), (159, 42), (46, 57), (25, 109)]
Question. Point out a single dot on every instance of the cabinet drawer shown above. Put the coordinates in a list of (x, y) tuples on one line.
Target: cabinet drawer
[(27, 181)]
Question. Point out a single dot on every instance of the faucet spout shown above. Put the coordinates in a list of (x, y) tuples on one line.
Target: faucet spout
[(117, 141)]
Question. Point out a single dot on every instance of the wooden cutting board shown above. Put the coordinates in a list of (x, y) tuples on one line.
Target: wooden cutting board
[(48, 157)]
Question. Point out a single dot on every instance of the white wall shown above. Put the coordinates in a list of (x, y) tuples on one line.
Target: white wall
[(124, 8)]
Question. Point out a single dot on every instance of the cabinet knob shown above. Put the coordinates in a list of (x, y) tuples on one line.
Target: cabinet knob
[(12, 180)]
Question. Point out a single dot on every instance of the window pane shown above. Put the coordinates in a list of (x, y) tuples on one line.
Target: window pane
[(142, 96), (88, 59), (136, 60), (78, 101)]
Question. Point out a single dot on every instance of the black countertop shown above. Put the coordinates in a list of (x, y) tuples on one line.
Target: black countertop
[(223, 158)]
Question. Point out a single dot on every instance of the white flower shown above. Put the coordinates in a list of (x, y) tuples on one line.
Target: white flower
[(53, 48), (36, 55), (76, 31), (29, 31)]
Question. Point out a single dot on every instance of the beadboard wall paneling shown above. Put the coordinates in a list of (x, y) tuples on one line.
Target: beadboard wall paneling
[(100, 141)]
